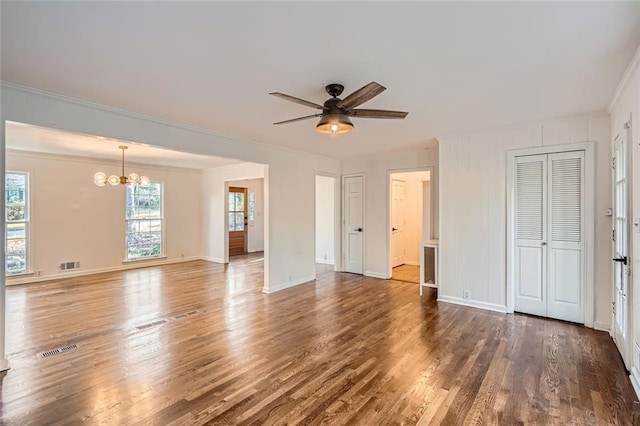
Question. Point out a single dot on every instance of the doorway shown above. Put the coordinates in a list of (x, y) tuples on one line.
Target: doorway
[(410, 222), (326, 220)]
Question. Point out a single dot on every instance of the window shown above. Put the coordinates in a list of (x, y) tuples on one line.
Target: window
[(17, 222), (236, 209), (144, 221), (252, 204)]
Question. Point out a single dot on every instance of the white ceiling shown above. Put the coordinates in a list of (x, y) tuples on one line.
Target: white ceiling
[(23, 137), (453, 66)]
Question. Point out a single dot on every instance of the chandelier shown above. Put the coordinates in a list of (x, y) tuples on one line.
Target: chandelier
[(101, 179)]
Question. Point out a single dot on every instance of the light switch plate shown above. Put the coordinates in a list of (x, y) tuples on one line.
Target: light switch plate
[(608, 212), (636, 225)]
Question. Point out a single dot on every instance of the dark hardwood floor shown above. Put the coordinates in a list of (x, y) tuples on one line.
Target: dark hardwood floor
[(345, 349)]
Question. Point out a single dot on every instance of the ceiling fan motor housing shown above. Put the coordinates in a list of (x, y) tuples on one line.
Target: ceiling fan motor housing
[(334, 89)]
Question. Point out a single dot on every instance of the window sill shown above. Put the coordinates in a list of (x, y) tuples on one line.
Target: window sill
[(18, 274), (143, 259)]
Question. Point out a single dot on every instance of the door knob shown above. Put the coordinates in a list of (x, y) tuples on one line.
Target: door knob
[(358, 229), (543, 243), (394, 229), (622, 259)]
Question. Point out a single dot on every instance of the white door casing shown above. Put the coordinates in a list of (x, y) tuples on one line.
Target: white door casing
[(620, 245), (398, 222), (353, 223), (549, 235)]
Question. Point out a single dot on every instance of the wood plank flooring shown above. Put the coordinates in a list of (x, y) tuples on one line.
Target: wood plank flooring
[(408, 273), (345, 349)]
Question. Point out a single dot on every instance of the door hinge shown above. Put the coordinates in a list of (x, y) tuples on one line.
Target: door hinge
[(627, 125), (613, 307), (613, 235), (613, 163)]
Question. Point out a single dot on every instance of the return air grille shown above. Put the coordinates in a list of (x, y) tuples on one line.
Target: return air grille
[(151, 324), (59, 351), (186, 314)]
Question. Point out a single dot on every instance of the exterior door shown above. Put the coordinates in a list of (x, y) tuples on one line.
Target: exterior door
[(398, 222), (237, 221), (353, 222), (550, 235), (620, 245)]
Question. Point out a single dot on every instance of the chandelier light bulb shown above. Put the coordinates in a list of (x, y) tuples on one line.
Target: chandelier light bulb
[(134, 178), (100, 179), (113, 180), (144, 181)]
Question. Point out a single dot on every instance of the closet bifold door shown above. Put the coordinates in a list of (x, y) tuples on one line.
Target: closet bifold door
[(566, 236), (530, 295)]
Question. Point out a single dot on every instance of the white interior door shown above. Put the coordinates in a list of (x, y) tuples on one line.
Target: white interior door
[(353, 222), (531, 235), (398, 222), (565, 249), (620, 245), (549, 235)]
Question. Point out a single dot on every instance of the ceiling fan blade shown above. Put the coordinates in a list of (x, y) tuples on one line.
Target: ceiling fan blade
[(298, 119), (296, 100), (376, 113), (361, 95)]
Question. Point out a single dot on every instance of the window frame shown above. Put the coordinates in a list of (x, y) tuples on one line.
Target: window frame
[(128, 259), (27, 223)]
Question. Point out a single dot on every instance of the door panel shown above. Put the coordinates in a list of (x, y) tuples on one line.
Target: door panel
[(530, 184), (620, 245), (237, 220), (565, 245), (353, 198), (398, 222)]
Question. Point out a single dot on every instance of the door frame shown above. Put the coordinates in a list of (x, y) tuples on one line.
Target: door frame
[(431, 170), (364, 220), (588, 290), (337, 217)]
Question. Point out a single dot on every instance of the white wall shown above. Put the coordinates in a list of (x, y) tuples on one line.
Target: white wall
[(376, 170), (325, 219), (71, 219), (255, 231), (473, 207), (625, 106)]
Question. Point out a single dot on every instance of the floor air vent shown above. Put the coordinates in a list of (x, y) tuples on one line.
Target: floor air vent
[(151, 324), (59, 351), (186, 314)]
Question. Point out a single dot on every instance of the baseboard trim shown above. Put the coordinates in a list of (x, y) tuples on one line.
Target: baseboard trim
[(285, 286), (212, 259), (376, 275), (473, 304), (412, 263), (125, 266), (602, 326), (325, 262), (635, 380), (4, 364)]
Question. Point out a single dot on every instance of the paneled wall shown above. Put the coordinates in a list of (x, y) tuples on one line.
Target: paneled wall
[(473, 225)]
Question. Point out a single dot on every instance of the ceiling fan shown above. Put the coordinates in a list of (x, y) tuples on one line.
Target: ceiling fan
[(336, 112)]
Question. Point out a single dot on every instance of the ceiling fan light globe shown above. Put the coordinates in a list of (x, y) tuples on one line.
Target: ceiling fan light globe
[(332, 124)]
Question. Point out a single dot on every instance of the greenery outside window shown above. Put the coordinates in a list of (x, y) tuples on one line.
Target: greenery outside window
[(144, 221), (17, 222)]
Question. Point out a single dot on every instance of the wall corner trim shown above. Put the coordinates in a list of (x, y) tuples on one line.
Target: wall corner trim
[(285, 286), (4, 364), (379, 275), (602, 326), (474, 304)]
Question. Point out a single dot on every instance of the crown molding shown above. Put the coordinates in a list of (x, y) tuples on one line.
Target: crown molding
[(632, 68)]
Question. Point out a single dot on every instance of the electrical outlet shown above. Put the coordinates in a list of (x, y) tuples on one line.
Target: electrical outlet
[(182, 255), (466, 294), (38, 273)]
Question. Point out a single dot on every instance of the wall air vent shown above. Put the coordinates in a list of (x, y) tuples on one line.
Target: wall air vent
[(69, 266)]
